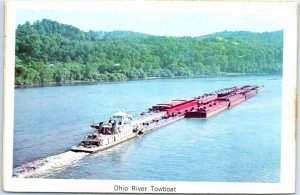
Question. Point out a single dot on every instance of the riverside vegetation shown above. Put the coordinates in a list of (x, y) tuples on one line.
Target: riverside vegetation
[(47, 51)]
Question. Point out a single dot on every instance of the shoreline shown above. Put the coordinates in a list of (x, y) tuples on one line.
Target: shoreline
[(71, 82)]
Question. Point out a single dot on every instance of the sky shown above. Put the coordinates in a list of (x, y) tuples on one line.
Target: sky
[(159, 21)]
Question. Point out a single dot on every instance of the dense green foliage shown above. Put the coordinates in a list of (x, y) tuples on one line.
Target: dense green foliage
[(47, 51)]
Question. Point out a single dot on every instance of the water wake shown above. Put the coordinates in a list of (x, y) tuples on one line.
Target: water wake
[(49, 165)]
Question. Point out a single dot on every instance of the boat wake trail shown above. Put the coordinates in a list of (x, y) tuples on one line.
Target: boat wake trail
[(49, 165)]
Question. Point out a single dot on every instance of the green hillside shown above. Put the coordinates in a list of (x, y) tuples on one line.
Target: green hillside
[(47, 51)]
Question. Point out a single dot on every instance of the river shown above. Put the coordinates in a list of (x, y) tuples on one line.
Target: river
[(241, 144)]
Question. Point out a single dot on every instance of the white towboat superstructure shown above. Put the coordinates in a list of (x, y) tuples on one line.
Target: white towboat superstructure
[(118, 129)]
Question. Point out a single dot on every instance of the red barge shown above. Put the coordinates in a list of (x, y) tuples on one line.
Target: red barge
[(209, 104), (122, 127)]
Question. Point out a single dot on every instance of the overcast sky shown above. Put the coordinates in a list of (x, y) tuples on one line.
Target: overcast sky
[(159, 22)]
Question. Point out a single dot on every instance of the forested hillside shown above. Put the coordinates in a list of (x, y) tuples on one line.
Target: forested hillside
[(47, 51)]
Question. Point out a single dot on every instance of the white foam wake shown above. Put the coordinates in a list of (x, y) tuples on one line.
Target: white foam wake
[(49, 165)]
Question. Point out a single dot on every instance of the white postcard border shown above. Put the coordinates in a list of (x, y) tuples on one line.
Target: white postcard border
[(289, 91)]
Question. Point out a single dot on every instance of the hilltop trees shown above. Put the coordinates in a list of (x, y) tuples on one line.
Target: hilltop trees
[(47, 51)]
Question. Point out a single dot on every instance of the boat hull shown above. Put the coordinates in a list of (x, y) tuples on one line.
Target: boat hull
[(208, 113), (100, 148), (236, 100), (161, 124), (200, 114)]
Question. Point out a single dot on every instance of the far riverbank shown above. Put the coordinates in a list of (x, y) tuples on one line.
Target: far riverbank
[(74, 82)]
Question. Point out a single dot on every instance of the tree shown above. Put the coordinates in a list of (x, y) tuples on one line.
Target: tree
[(47, 51)]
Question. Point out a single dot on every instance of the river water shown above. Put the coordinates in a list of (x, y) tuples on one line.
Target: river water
[(241, 144)]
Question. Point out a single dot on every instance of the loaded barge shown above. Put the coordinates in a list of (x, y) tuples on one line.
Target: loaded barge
[(121, 127)]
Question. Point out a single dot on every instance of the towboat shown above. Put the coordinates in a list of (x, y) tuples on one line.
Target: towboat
[(118, 129)]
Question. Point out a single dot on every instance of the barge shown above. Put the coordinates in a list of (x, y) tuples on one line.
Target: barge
[(208, 110), (121, 127)]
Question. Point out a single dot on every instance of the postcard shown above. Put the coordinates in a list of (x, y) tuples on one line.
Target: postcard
[(150, 96)]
